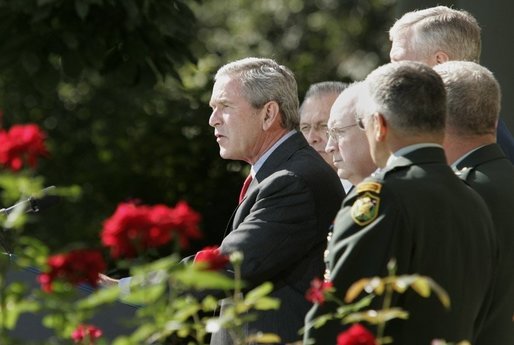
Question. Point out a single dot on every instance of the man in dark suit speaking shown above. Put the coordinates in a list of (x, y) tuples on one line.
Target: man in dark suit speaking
[(283, 219), (290, 198)]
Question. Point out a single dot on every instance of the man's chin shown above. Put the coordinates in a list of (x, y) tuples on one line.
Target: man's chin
[(342, 174)]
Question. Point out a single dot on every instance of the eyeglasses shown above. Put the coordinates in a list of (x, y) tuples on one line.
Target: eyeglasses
[(360, 123), (337, 133)]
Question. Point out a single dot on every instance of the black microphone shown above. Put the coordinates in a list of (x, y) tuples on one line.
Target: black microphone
[(34, 204)]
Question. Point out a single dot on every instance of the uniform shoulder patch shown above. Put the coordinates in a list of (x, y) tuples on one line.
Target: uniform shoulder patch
[(365, 208), (369, 186)]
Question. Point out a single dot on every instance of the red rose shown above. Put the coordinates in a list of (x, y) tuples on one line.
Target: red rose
[(22, 143), (87, 333), (212, 258), (75, 267), (135, 228), (182, 219), (356, 335), (316, 293)]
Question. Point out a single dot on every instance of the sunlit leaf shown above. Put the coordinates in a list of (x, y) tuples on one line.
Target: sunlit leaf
[(267, 303), (321, 320), (401, 283), (375, 285), (204, 279), (375, 317), (355, 289), (422, 286), (99, 297), (209, 303), (441, 293), (144, 295), (260, 291), (263, 338)]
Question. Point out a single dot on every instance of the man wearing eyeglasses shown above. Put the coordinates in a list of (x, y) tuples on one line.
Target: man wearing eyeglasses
[(416, 211), (314, 113), (347, 144)]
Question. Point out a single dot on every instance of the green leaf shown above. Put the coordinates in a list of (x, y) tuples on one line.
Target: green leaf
[(263, 338), (267, 303), (142, 295), (258, 292), (321, 320), (209, 303), (99, 297), (199, 279), (422, 286), (440, 292), (376, 317)]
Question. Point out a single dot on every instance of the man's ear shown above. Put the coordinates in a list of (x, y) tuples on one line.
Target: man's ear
[(271, 115), (441, 57), (379, 127)]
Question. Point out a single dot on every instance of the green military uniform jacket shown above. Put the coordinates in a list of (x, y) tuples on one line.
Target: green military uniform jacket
[(417, 211)]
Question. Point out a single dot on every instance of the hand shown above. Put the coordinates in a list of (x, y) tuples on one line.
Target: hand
[(106, 281)]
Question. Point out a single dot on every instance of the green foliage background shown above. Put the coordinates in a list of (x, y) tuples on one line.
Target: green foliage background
[(121, 88)]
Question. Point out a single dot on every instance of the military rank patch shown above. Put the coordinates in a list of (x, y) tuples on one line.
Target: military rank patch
[(365, 208), (369, 186)]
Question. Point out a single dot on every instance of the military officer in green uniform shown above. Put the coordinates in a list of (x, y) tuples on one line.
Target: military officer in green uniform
[(470, 143), (415, 210)]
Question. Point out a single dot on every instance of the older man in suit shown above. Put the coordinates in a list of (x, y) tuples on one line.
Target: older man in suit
[(438, 34), (414, 210), (470, 145), (289, 200), (282, 221)]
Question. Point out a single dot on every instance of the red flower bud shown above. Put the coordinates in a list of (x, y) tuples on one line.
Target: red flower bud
[(212, 258), (356, 335), (316, 293)]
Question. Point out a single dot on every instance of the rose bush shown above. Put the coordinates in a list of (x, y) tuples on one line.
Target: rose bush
[(133, 229), (86, 334), (22, 144), (75, 267)]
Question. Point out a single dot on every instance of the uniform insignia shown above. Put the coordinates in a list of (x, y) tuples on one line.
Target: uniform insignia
[(365, 208), (370, 186)]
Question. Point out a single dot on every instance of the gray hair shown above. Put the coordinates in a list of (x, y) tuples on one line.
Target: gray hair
[(264, 80), (324, 87), (456, 32), (354, 91), (474, 97), (410, 95)]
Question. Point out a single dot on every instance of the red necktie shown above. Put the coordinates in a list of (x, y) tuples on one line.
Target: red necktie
[(245, 187)]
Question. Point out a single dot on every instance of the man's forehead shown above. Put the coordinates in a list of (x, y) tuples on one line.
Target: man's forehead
[(342, 111), (225, 87)]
